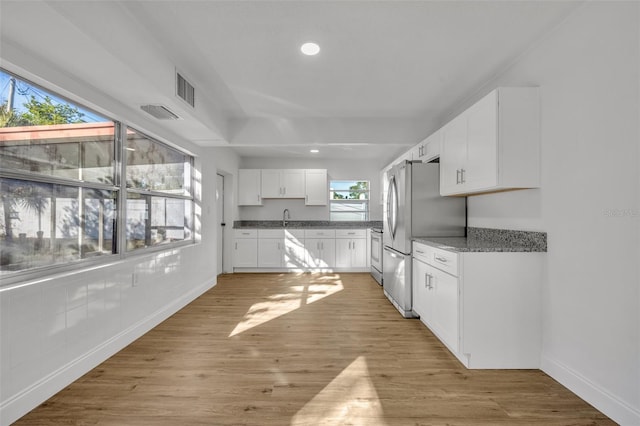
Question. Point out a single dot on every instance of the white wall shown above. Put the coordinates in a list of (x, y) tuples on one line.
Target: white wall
[(336, 170), (588, 73)]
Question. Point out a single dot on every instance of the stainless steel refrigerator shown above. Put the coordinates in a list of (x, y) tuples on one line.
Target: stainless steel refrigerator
[(414, 208)]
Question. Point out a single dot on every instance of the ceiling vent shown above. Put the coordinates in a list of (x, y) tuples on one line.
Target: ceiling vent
[(160, 112), (185, 90)]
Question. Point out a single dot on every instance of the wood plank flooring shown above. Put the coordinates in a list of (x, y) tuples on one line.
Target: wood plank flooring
[(302, 349)]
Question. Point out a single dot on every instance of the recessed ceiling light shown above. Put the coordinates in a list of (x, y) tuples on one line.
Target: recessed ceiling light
[(314, 151), (310, 49)]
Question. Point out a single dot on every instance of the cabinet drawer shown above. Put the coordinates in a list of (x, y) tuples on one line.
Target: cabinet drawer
[(245, 233), (351, 233), (444, 260), (420, 251), (319, 233), (270, 233)]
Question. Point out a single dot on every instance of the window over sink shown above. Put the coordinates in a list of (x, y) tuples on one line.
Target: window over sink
[(349, 200)]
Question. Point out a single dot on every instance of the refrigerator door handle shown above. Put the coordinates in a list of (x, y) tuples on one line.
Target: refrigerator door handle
[(392, 206)]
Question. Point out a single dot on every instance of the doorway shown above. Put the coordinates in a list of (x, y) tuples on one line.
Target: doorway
[(221, 223)]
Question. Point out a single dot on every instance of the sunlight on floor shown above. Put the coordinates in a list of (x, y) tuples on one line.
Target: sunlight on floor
[(350, 398), (282, 304)]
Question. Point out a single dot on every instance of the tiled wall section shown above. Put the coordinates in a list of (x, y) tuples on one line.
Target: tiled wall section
[(47, 325)]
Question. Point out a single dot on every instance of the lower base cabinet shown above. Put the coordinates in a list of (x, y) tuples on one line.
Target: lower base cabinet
[(485, 307), (351, 248), (245, 249), (285, 250)]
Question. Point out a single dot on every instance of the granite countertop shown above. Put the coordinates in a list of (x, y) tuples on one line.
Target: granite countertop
[(306, 224), (490, 240)]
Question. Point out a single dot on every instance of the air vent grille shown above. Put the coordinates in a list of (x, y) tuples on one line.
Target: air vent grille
[(160, 112), (185, 90)]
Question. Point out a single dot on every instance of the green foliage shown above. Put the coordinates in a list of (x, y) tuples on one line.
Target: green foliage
[(46, 113), (357, 189), (10, 118)]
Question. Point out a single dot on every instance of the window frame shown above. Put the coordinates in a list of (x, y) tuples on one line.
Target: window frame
[(12, 278)]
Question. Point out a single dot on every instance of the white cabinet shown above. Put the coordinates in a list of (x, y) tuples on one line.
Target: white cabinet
[(245, 254), (249, 182), (316, 193), (279, 248), (435, 299), (494, 145), (485, 307), (351, 248), (285, 183), (428, 149), (320, 246)]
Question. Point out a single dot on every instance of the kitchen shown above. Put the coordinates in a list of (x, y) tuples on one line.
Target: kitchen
[(587, 201)]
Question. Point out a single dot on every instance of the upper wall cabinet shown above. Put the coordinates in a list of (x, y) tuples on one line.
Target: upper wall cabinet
[(316, 193), (249, 181), (494, 145), (254, 185), (285, 183), (428, 149)]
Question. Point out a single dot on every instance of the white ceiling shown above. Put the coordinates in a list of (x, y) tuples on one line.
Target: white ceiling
[(389, 72)]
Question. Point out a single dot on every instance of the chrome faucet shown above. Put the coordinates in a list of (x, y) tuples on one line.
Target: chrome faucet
[(285, 216)]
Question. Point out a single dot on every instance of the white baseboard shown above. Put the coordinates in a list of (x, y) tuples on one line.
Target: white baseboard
[(25, 401), (618, 410)]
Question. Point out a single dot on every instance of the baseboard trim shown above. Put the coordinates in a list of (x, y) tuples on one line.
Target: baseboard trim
[(25, 401), (618, 410)]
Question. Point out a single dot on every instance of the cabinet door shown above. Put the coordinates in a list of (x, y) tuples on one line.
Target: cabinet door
[(270, 252), (294, 255), (343, 253), (481, 170), (313, 258), (271, 187), (432, 147), (249, 182), (292, 182), (316, 257), (453, 155), (421, 298), (359, 253), (245, 253), (445, 307), (316, 187)]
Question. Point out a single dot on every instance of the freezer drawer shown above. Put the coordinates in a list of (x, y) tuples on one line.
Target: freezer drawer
[(396, 281)]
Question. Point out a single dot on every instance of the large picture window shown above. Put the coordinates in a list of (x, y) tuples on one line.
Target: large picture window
[(349, 200), (159, 196), (65, 190)]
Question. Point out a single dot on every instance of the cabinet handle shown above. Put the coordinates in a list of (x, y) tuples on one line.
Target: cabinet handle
[(284, 190), (236, 246), (419, 252), (440, 259), (462, 171), (351, 233), (458, 177)]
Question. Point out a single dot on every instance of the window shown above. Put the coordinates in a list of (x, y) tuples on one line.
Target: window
[(159, 196), (349, 200), (61, 191)]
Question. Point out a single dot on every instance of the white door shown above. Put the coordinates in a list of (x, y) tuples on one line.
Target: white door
[(220, 219)]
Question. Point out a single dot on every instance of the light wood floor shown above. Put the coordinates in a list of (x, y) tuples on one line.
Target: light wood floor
[(288, 349)]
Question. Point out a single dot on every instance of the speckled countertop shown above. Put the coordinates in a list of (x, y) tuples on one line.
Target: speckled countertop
[(490, 240), (306, 224)]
